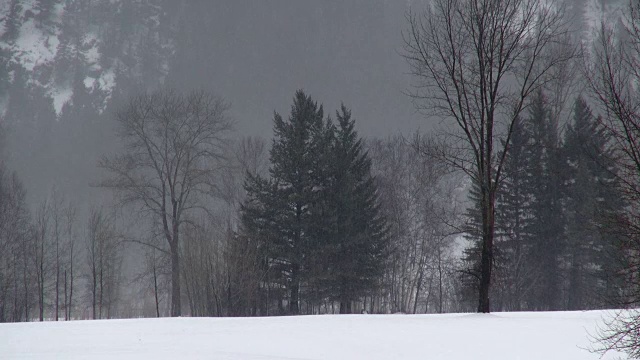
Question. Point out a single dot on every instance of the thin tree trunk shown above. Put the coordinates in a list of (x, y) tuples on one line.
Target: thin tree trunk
[(66, 298), (175, 281), (26, 288), (70, 285), (41, 284), (155, 287), (486, 263), (94, 290), (294, 308), (440, 286), (101, 288), (16, 311), (57, 306)]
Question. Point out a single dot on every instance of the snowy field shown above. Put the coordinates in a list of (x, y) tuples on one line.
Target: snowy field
[(513, 336)]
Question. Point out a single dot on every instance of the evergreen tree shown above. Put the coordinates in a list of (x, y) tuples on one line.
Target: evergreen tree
[(45, 10), (590, 195), (13, 22), (5, 67), (546, 208), (530, 241), (317, 221), (296, 148), (512, 220), (354, 252), (470, 275)]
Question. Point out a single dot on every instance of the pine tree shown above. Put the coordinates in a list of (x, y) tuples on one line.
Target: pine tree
[(546, 209), (470, 275), (317, 219), (355, 251), (590, 195), (45, 10), (512, 220), (13, 22), (290, 192)]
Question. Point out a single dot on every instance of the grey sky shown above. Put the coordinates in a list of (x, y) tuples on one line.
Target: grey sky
[(334, 50)]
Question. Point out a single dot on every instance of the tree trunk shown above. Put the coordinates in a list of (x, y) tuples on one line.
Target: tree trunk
[(175, 281), (26, 289), (155, 286), (101, 286), (294, 308), (440, 280), (70, 286), (486, 262), (66, 298), (57, 281), (41, 289), (94, 289), (345, 307)]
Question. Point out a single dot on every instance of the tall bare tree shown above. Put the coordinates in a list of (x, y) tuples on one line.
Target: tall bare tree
[(103, 260), (172, 145), (14, 240), (71, 252), (475, 62), (41, 232), (613, 72)]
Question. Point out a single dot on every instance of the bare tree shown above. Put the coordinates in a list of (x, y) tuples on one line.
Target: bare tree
[(69, 218), (153, 262), (418, 198), (221, 271), (104, 262), (41, 253), (613, 72), (172, 143), (14, 239), (475, 63), (56, 204)]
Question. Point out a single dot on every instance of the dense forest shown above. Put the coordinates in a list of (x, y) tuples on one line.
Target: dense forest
[(129, 187)]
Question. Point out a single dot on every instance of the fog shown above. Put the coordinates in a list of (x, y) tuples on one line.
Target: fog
[(257, 55), (191, 196), (90, 56)]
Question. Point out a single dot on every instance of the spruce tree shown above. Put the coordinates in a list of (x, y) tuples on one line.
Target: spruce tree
[(317, 218), (356, 246), (546, 208), (512, 220), (590, 193), (13, 22), (292, 191)]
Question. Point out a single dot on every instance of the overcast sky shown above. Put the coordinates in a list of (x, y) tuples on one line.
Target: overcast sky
[(335, 50)]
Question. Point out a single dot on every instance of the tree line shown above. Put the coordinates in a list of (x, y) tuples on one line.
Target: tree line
[(557, 190), (525, 198)]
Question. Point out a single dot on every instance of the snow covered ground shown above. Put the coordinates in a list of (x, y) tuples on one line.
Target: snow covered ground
[(513, 336)]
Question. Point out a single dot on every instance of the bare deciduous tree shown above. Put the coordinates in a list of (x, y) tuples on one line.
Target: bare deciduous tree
[(103, 260), (613, 72), (475, 63), (222, 272), (15, 284), (69, 215), (419, 200), (40, 251), (172, 143)]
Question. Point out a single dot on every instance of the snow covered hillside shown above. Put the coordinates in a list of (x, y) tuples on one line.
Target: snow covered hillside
[(559, 335)]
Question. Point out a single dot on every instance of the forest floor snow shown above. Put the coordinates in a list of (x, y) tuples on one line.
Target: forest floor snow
[(513, 336)]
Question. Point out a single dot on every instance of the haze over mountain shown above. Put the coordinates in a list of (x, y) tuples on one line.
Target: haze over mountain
[(65, 66)]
